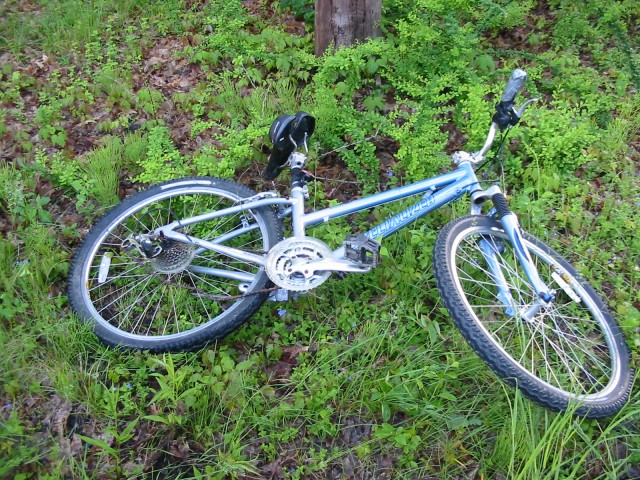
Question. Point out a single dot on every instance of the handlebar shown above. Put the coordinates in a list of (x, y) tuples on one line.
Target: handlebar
[(514, 85), (506, 116)]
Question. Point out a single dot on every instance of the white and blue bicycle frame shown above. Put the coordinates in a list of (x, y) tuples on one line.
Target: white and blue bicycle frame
[(436, 191)]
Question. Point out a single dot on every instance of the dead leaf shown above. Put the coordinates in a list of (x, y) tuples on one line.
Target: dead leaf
[(279, 371), (290, 353)]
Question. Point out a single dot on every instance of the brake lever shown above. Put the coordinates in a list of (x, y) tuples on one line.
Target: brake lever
[(520, 112)]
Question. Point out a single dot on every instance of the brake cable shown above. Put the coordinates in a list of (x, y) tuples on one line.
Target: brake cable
[(498, 157)]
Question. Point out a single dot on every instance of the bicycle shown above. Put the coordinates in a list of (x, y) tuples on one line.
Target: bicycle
[(197, 248)]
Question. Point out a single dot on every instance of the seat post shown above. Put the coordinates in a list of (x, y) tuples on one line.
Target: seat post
[(299, 192)]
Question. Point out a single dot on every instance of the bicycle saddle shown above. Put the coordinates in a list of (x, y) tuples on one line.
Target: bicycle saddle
[(287, 133)]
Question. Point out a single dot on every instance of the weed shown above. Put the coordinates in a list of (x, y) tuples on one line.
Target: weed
[(163, 161), (14, 445), (46, 117), (150, 100), (300, 8), (101, 168), (362, 377)]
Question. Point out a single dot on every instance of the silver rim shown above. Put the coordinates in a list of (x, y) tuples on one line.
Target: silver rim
[(569, 346), (139, 300)]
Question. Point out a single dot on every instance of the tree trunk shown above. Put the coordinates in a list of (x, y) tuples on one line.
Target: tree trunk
[(343, 22)]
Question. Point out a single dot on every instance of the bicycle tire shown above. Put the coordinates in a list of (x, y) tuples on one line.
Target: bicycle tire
[(568, 355), (175, 301)]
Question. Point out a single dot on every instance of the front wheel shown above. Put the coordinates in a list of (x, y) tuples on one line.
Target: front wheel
[(164, 295), (569, 353)]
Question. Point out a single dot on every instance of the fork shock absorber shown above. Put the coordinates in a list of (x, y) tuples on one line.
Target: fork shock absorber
[(512, 227), (500, 202)]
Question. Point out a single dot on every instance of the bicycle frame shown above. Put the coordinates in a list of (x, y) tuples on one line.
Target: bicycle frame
[(437, 191)]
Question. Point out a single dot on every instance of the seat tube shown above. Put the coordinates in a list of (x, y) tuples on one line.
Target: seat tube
[(298, 195), (297, 212)]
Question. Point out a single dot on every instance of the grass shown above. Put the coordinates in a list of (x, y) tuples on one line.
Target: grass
[(366, 375)]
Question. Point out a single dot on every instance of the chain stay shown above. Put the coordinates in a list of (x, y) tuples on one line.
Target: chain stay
[(218, 298)]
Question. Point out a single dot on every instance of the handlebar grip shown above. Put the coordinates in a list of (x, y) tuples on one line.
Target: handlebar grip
[(514, 85)]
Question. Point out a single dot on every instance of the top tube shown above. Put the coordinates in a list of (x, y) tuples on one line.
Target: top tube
[(463, 177)]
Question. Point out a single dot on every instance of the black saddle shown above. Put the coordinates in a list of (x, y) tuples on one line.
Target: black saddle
[(287, 133)]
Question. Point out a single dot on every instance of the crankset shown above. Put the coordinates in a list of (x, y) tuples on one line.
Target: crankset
[(289, 263)]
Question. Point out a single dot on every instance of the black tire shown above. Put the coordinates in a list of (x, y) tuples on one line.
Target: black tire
[(174, 301), (568, 355)]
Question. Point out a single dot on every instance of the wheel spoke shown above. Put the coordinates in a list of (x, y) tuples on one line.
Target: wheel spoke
[(178, 289), (565, 345)]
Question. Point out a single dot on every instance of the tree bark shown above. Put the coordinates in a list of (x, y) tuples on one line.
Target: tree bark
[(343, 22)]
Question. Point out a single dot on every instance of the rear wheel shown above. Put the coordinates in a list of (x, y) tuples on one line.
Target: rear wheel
[(568, 352), (167, 295)]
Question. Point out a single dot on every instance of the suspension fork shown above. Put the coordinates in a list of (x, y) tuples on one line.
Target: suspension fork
[(497, 275), (512, 228)]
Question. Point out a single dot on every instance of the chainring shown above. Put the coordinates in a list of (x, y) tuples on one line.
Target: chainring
[(292, 254)]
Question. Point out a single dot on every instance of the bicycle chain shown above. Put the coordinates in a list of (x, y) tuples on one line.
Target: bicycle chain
[(217, 298)]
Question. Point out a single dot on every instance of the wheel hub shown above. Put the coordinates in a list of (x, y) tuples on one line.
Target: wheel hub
[(287, 260)]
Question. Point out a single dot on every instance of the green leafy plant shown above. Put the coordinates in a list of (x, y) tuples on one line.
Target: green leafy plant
[(361, 377), (163, 161), (567, 136), (300, 8), (15, 451), (101, 168), (96, 176), (150, 100), (46, 117)]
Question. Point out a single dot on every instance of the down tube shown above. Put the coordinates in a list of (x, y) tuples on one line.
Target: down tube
[(420, 209), (461, 178)]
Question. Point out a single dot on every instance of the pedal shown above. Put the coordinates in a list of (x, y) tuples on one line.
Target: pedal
[(362, 250)]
